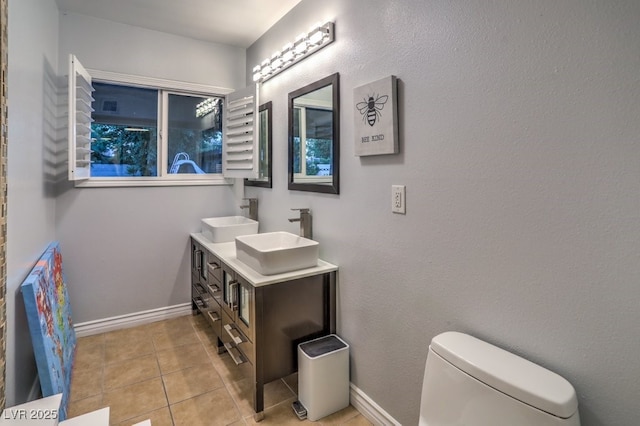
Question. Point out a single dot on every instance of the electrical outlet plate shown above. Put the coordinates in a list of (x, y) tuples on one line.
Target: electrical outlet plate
[(398, 199)]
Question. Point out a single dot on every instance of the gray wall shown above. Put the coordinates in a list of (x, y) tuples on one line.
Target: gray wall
[(519, 151), (33, 38), (126, 250), (520, 143)]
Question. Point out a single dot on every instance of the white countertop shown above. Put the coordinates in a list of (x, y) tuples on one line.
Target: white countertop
[(227, 253)]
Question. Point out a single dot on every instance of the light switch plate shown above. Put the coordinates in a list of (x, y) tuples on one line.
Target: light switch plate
[(398, 199)]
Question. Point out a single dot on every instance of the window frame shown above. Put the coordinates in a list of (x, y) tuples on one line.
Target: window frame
[(164, 87), (265, 181)]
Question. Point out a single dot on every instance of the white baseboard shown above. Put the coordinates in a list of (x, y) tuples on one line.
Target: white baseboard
[(369, 409), (131, 320)]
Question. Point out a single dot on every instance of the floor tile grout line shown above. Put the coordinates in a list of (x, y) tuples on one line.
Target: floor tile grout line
[(74, 371), (164, 386), (163, 383), (146, 412), (226, 388), (293, 396), (105, 389), (290, 388), (160, 376), (166, 395), (212, 356), (155, 356), (224, 383)]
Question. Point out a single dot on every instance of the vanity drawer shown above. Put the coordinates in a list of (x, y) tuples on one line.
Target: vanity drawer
[(195, 293), (200, 296), (213, 314), (197, 288), (208, 307), (247, 349), (239, 347), (214, 288), (214, 268)]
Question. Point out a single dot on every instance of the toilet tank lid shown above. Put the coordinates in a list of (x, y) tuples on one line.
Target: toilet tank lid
[(515, 376)]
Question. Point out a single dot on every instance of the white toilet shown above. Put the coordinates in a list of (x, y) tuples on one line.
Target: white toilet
[(468, 382)]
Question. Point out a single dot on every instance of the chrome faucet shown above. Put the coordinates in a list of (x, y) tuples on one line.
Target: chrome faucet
[(252, 206), (305, 222)]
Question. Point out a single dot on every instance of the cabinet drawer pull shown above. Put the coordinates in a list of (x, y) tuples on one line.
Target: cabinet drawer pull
[(213, 266), (214, 316), (197, 258), (213, 288), (235, 354), (233, 333), (199, 302), (233, 300)]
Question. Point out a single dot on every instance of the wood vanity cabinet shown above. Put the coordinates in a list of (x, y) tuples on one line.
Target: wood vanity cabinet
[(206, 290), (262, 325), (198, 278)]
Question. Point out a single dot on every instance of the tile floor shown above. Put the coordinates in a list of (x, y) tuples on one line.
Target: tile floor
[(169, 372)]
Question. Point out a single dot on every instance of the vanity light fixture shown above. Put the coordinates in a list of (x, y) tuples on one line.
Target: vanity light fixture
[(305, 44)]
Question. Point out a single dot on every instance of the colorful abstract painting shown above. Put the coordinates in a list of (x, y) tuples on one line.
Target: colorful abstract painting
[(49, 316)]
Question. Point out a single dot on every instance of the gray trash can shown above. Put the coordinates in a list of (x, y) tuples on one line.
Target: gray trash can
[(323, 376)]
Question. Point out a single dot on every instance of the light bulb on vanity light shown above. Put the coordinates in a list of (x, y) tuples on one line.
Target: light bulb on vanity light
[(316, 34), (300, 46), (266, 67), (256, 73), (276, 61), (287, 53)]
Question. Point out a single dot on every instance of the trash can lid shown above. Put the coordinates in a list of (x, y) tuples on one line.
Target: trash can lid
[(323, 345)]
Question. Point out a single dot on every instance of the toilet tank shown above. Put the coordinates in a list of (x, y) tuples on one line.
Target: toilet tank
[(473, 383)]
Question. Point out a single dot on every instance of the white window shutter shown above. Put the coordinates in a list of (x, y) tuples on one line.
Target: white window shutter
[(80, 99), (240, 142)]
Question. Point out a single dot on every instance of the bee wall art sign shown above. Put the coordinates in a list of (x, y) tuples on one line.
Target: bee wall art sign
[(376, 117)]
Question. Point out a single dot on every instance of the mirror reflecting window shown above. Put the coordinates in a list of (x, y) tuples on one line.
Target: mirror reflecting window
[(314, 137), (264, 149)]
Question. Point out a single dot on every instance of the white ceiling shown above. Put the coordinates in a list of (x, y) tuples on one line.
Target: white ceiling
[(233, 22)]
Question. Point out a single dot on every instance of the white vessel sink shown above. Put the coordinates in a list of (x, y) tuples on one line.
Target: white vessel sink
[(224, 229), (276, 252)]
